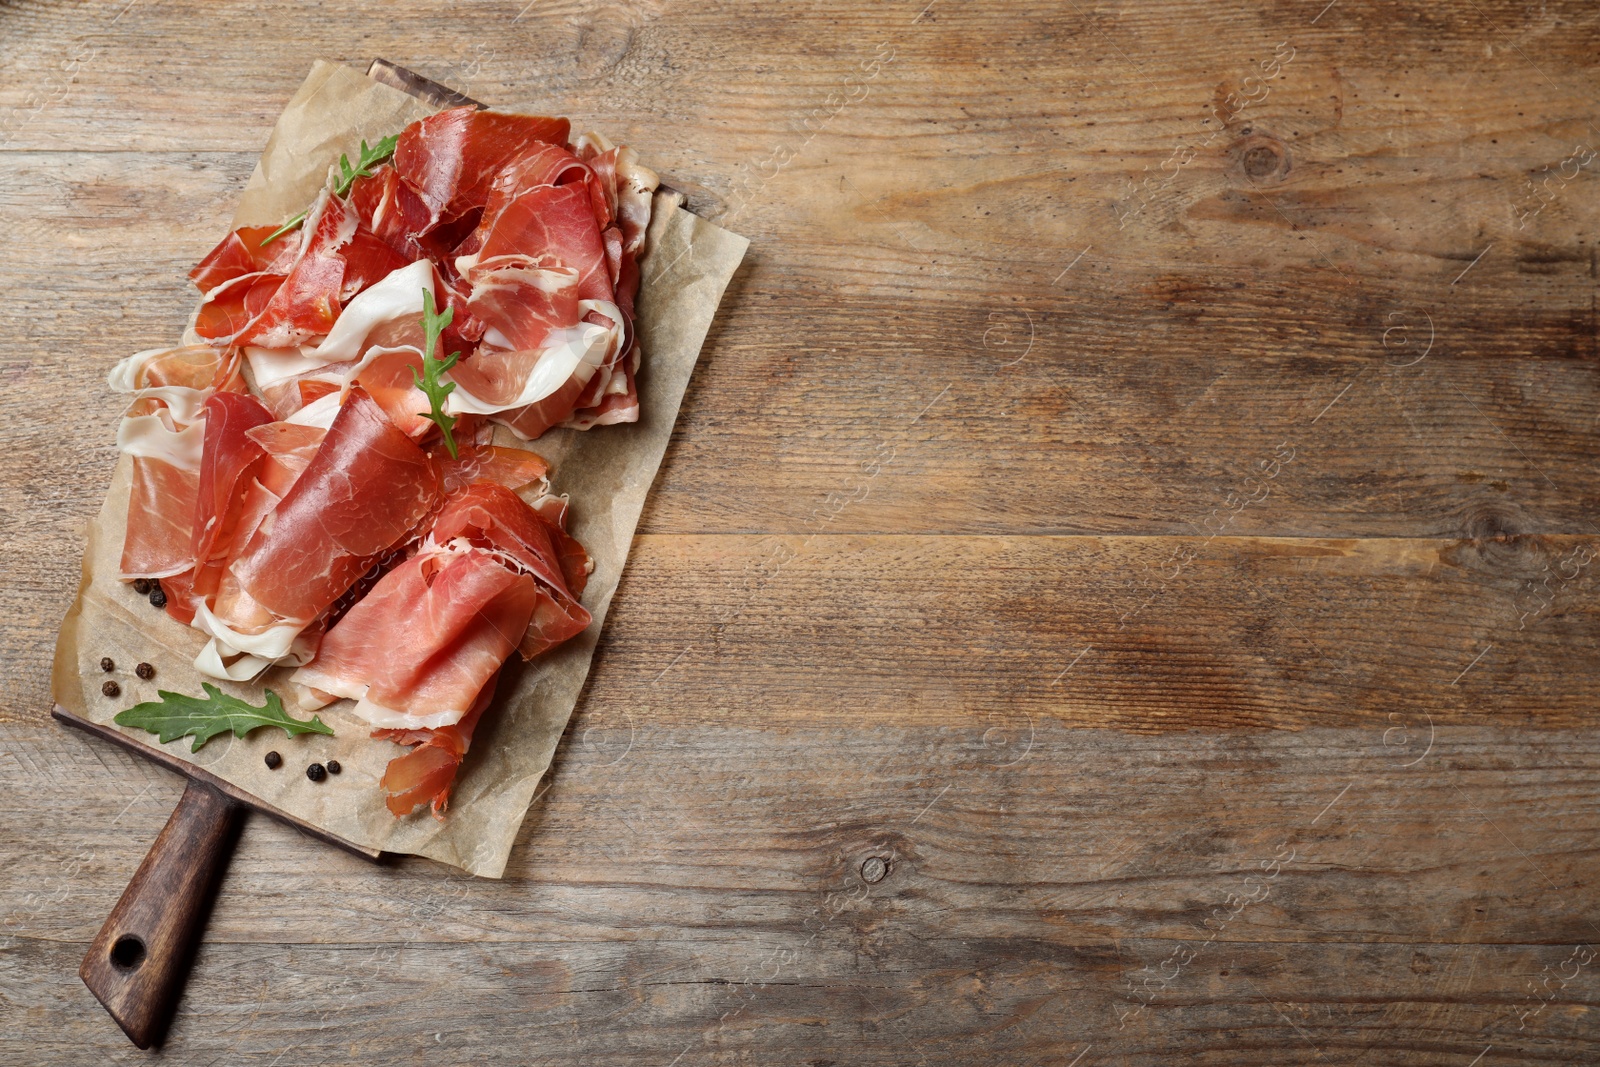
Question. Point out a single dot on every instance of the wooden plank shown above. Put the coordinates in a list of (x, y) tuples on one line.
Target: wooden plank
[(715, 72), (1126, 632), (1094, 434), (1142, 634), (667, 902), (652, 827)]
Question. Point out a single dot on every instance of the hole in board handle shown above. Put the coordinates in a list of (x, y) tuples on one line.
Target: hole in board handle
[(127, 953)]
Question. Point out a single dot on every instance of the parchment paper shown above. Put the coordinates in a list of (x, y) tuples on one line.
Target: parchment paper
[(607, 471)]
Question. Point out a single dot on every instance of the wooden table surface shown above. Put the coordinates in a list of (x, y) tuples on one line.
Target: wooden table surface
[(1121, 590)]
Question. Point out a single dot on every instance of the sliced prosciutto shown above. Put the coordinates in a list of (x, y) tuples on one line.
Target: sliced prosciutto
[(309, 490), (451, 158), (164, 432), (531, 240), (427, 774), (493, 517), (295, 296), (367, 490), (418, 652)]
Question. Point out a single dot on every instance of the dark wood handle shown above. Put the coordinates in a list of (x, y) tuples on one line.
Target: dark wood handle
[(137, 965)]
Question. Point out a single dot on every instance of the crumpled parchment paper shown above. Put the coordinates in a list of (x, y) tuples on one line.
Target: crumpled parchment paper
[(608, 472)]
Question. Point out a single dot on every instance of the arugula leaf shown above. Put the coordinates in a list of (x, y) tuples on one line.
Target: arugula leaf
[(370, 157), (428, 380), (285, 228), (176, 715)]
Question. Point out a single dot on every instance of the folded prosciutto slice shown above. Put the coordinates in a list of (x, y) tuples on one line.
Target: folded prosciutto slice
[(315, 490), (365, 491), (164, 430), (420, 651)]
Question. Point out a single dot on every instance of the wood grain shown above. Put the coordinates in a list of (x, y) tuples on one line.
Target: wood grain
[(137, 964), (975, 551)]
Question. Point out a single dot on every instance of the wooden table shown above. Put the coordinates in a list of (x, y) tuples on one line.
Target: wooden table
[(1122, 590)]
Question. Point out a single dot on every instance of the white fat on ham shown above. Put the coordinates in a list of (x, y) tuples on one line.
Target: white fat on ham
[(397, 296), (578, 350), (269, 366), (239, 657), (313, 690), (635, 192), (124, 377), (151, 437), (174, 433), (320, 412)]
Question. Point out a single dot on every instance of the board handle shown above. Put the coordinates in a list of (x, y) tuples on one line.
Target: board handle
[(137, 964)]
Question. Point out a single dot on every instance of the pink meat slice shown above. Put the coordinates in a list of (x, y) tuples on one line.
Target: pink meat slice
[(161, 511), (552, 221), (428, 772), (164, 497), (228, 467), (492, 515), (451, 158), (367, 490), (428, 635), (230, 455)]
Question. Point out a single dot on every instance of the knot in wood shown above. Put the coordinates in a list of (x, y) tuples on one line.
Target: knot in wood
[(1261, 158)]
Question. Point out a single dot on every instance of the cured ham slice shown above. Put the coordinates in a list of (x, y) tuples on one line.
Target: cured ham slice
[(230, 461), (513, 468), (241, 253), (290, 448), (366, 490), (556, 220), (298, 296), (420, 652), (493, 516), (164, 432), (160, 519), (417, 649), (427, 774), (523, 301), (392, 210), (451, 158)]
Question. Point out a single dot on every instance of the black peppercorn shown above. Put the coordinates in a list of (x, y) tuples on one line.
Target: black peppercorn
[(158, 597), (274, 761), (316, 772), (111, 689), (145, 671), (333, 766), (107, 664), (142, 586)]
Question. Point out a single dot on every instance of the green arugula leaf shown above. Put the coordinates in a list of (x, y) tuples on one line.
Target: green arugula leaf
[(176, 715), (428, 380), (370, 157), (285, 228)]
